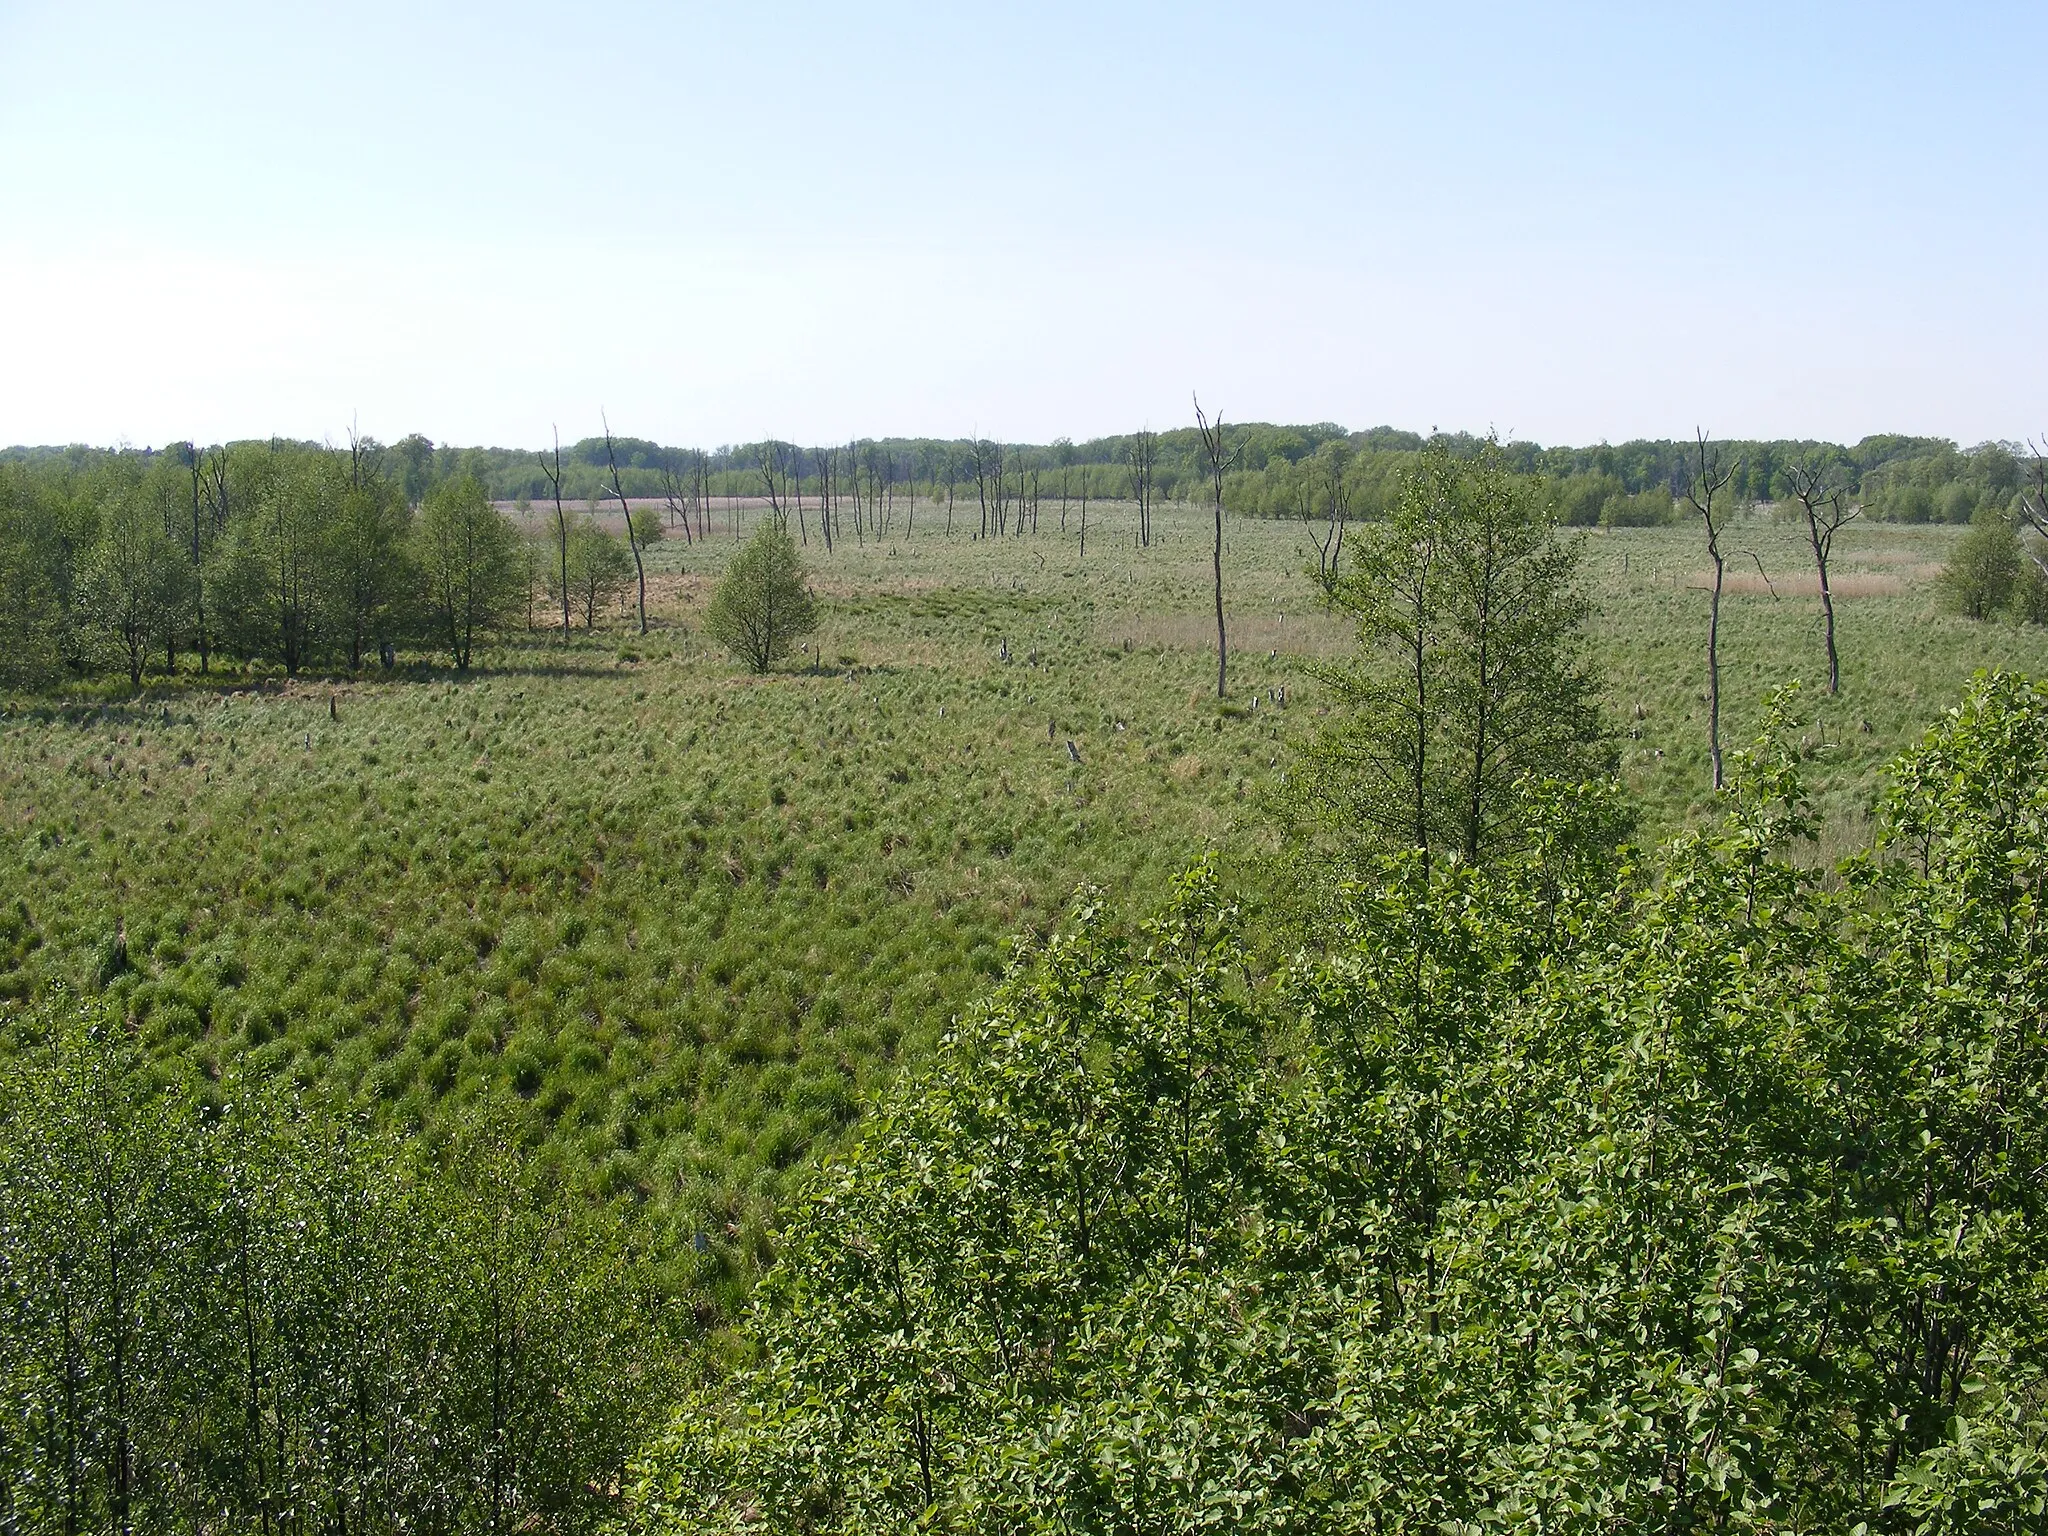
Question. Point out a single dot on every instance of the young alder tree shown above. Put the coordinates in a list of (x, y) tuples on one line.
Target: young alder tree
[(552, 468), (1986, 568), (1219, 465), (273, 568), (369, 578), (1709, 477), (470, 562), (599, 567), (135, 582), (1471, 685), (763, 606), (1827, 511), (201, 534)]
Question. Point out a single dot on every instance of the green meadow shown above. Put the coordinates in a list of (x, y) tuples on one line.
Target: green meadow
[(687, 920)]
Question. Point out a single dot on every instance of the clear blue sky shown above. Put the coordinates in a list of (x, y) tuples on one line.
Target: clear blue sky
[(822, 221)]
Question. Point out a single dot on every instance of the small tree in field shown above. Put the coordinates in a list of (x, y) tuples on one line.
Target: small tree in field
[(763, 607), (1471, 682), (469, 559)]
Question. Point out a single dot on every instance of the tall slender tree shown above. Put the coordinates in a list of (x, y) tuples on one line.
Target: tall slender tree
[(1826, 510), (634, 535), (552, 468), (1219, 465), (1706, 479)]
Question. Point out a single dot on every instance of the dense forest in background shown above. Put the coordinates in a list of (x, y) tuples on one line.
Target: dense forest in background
[(1910, 479)]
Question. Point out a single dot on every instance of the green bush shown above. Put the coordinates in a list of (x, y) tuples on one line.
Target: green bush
[(1983, 573), (1700, 1195), (763, 606)]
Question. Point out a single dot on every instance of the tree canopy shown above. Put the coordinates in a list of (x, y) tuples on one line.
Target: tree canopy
[(1691, 1193)]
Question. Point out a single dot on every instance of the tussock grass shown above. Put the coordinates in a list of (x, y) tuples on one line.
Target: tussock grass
[(689, 919)]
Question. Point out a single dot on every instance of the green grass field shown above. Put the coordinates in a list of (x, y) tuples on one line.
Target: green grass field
[(691, 917)]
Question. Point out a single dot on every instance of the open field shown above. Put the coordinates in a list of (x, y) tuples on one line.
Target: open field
[(690, 917)]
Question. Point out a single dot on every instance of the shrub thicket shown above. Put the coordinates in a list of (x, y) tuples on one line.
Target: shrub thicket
[(222, 1311), (1562, 1197)]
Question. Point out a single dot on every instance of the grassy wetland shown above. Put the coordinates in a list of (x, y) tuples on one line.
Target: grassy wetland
[(557, 977), (689, 919)]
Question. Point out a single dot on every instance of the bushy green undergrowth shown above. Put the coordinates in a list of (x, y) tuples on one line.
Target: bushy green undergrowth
[(1564, 1193), (686, 920)]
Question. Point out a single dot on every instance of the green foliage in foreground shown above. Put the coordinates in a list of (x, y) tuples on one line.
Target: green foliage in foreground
[(218, 1313), (1698, 1196)]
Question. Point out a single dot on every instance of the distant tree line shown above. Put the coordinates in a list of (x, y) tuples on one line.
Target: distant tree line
[(221, 1311), (1279, 471)]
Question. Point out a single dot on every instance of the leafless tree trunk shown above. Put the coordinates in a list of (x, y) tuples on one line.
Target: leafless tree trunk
[(1709, 478), (554, 473), (632, 534), (1084, 513), (824, 458), (1143, 458), (771, 456), (701, 492), (1340, 511), (198, 564), (677, 495), (1219, 465), (2034, 506), (1827, 510), (982, 449)]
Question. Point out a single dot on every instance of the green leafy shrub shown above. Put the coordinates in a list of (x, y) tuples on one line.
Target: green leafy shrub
[(763, 606), (1983, 574), (1696, 1195)]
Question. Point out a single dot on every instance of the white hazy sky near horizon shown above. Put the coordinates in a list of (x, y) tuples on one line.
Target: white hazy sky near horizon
[(819, 222)]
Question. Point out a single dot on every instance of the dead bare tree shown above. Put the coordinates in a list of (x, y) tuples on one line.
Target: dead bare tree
[(1084, 512), (1142, 455), (1827, 510), (2034, 504), (771, 468), (1219, 465), (983, 450), (823, 457), (1708, 478), (198, 559), (632, 534), (554, 473), (1338, 458), (675, 492)]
